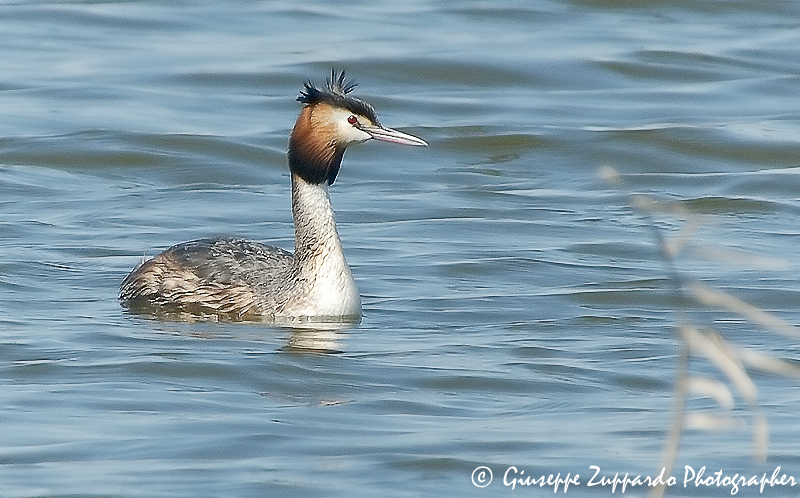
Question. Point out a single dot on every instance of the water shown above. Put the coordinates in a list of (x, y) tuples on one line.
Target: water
[(516, 312)]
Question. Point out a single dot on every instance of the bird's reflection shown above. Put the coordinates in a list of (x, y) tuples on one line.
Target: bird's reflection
[(315, 340), (313, 336)]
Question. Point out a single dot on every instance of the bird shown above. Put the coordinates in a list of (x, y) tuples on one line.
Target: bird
[(236, 279)]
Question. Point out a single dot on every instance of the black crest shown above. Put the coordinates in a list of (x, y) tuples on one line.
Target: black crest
[(336, 93)]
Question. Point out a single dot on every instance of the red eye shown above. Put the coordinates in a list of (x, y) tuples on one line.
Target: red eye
[(352, 120)]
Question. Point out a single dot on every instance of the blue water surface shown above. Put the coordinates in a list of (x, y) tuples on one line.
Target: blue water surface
[(517, 308)]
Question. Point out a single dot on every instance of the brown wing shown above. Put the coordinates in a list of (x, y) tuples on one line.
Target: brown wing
[(225, 276)]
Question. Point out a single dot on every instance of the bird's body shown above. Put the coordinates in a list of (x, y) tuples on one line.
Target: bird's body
[(234, 278)]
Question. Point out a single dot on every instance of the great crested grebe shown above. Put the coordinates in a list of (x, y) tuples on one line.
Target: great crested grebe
[(237, 279)]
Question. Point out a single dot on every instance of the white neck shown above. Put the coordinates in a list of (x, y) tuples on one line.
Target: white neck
[(325, 285)]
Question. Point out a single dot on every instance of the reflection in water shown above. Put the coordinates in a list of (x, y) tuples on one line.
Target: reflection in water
[(325, 339), (317, 334)]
